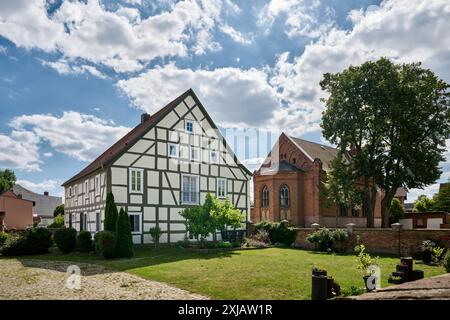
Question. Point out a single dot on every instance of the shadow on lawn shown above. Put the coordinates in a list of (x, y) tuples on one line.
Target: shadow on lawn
[(91, 263)]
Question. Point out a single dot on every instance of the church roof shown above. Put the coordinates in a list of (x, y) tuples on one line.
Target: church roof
[(316, 150)]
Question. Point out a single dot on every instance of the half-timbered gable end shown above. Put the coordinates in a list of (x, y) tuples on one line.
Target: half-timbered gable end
[(171, 160)]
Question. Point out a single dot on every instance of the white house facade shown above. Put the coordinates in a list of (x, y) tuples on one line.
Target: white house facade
[(171, 160)]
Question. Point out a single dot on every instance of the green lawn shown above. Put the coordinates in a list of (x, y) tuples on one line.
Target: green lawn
[(274, 273)]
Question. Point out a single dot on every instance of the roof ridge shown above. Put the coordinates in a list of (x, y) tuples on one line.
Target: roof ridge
[(122, 143), (319, 144)]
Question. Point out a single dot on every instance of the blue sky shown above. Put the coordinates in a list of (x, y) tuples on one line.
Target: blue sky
[(76, 75)]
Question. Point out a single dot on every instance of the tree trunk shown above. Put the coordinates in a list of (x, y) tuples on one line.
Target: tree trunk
[(367, 207), (385, 205)]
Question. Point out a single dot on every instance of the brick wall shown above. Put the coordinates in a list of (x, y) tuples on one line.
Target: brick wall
[(389, 241)]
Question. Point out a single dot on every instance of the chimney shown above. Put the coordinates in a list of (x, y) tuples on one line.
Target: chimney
[(45, 193), (144, 117)]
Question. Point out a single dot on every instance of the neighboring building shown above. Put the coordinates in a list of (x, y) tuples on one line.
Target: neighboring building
[(169, 161), (43, 204), (426, 220), (289, 186), (15, 213)]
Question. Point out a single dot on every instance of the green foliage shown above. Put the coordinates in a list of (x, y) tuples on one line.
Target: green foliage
[(446, 261), (58, 222), (84, 241), (214, 214), (107, 244), (353, 291), (155, 232), (4, 237), (66, 239), (365, 260), (423, 204), (340, 187), (324, 238), (396, 211), (279, 232), (96, 248), (224, 244), (111, 213), (438, 253), (124, 237), (7, 180), (32, 241), (442, 199), (371, 111), (59, 210)]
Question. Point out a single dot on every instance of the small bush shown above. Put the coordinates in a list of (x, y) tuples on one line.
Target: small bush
[(66, 239), (210, 245), (155, 232), (32, 241), (4, 237), (58, 222), (324, 238), (261, 236), (224, 244), (96, 249), (446, 261), (250, 242), (84, 241), (353, 291), (107, 242)]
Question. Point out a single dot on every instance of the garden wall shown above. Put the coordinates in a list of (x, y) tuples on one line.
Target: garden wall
[(394, 240)]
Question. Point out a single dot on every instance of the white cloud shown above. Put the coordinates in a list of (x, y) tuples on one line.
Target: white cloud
[(38, 187), (80, 136), (48, 154), (232, 96), (64, 67), (235, 35), (3, 50), (119, 39), (20, 150), (304, 18)]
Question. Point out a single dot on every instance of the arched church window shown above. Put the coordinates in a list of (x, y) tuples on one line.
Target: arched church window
[(284, 196), (265, 197)]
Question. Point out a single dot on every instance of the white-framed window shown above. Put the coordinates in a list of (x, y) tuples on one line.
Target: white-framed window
[(135, 222), (84, 221), (221, 188), (97, 185), (70, 192), (75, 191), (194, 154), (86, 189), (172, 150), (189, 126), (189, 189), (214, 156), (136, 180)]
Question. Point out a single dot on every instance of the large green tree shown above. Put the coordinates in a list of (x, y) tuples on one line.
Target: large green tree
[(7, 180), (392, 120), (59, 210), (423, 204), (111, 213), (442, 198)]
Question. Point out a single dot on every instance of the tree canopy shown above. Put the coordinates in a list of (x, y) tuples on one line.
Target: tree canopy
[(59, 210), (7, 180), (392, 120)]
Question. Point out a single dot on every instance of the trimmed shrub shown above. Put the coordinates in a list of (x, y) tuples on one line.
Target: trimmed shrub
[(279, 232), (224, 244), (32, 241), (324, 239), (446, 261), (124, 237), (96, 249), (4, 237), (66, 239), (58, 222), (84, 241), (111, 213), (107, 244)]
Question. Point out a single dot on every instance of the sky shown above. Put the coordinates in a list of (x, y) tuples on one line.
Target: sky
[(75, 76)]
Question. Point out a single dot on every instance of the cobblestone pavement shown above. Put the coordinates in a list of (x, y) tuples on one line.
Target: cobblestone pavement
[(36, 279)]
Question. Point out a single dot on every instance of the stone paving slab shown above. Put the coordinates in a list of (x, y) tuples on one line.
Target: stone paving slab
[(437, 287)]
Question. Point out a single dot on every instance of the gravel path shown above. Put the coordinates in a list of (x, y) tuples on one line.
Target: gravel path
[(36, 279)]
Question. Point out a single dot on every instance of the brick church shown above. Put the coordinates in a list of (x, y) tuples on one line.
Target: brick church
[(288, 186)]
